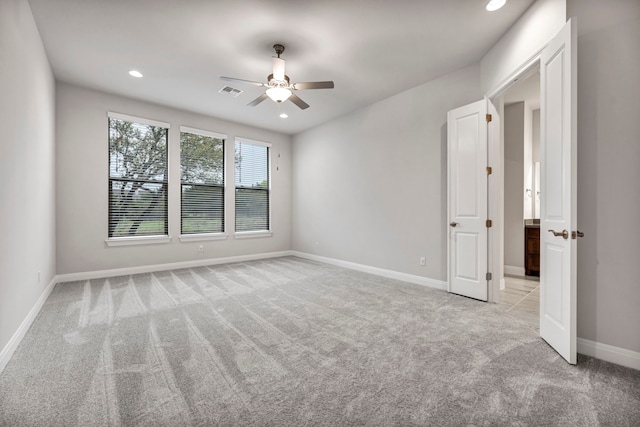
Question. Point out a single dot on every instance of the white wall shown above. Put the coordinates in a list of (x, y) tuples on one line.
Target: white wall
[(371, 187), (535, 131), (524, 39), (82, 177), (514, 131), (27, 196), (608, 171)]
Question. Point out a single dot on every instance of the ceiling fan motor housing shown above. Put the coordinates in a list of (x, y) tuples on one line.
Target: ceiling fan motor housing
[(278, 48), (273, 82)]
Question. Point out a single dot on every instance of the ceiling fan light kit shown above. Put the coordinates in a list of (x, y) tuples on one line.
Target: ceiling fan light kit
[(278, 94), (279, 87)]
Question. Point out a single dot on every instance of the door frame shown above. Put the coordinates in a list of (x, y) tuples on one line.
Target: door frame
[(496, 183), (558, 318)]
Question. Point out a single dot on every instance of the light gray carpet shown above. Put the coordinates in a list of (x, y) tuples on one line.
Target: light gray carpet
[(290, 342)]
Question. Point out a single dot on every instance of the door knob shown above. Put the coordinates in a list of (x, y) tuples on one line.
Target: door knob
[(454, 224), (577, 233), (564, 233)]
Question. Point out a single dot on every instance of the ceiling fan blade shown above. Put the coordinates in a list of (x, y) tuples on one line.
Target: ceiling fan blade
[(258, 100), (299, 102), (313, 85), (231, 79), (278, 69)]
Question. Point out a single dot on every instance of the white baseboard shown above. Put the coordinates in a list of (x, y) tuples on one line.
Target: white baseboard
[(391, 274), (98, 274), (12, 345), (609, 353), (503, 284), (513, 270)]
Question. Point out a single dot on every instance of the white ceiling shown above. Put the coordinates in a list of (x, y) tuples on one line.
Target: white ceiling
[(371, 49)]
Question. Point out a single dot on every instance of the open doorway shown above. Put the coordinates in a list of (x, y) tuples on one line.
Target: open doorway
[(520, 287), (475, 190)]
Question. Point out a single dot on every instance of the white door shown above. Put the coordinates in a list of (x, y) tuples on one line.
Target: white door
[(467, 193), (558, 193)]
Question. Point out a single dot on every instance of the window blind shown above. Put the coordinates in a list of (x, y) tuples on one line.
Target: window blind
[(137, 178), (252, 186), (202, 181)]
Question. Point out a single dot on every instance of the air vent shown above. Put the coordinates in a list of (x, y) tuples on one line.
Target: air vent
[(230, 91)]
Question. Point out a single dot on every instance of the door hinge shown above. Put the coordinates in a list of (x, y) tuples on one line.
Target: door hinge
[(489, 170), (489, 118), (489, 276), (489, 223)]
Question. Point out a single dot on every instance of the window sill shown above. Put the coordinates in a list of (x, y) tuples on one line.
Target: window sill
[(202, 237), (130, 241), (252, 234)]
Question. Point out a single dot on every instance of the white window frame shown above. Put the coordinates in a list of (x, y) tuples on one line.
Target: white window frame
[(200, 237), (254, 233), (142, 240)]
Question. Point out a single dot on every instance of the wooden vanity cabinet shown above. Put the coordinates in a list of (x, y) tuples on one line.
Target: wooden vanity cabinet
[(532, 251)]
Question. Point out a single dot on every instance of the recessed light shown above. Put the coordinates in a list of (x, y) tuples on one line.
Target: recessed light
[(284, 115), (135, 73), (495, 5)]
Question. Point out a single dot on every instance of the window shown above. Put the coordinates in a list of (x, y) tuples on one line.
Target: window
[(252, 185), (137, 177), (202, 176)]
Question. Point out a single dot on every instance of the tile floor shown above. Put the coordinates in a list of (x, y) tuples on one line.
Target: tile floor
[(521, 298)]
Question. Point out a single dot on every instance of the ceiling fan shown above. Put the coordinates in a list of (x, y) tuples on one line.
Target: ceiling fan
[(279, 87)]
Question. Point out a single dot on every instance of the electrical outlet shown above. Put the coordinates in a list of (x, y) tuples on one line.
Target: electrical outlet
[(38, 277), (201, 249), (423, 261)]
